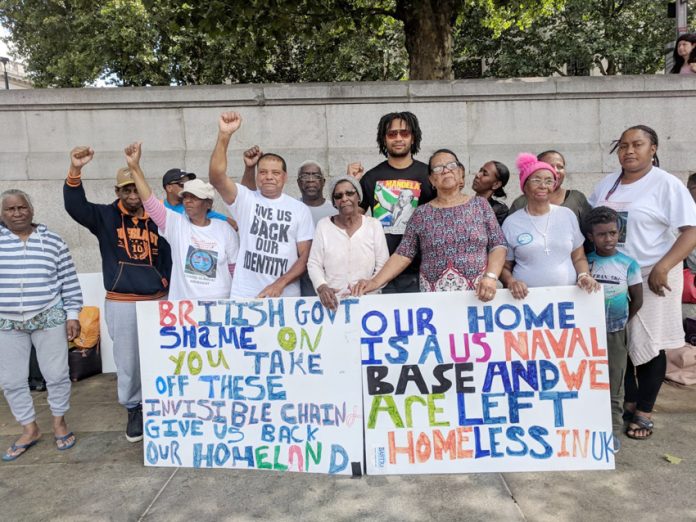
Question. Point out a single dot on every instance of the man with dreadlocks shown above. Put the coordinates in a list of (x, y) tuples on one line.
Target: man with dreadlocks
[(393, 189)]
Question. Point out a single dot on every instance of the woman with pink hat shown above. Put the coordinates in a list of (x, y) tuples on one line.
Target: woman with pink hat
[(545, 245)]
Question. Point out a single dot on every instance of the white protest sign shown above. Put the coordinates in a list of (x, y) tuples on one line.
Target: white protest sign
[(264, 384), (453, 385)]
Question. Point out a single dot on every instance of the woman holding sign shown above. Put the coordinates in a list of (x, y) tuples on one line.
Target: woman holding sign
[(346, 247), (545, 242), (658, 230), (457, 236)]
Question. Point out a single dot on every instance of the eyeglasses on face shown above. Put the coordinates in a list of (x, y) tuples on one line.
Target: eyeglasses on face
[(310, 176), (438, 169), (404, 133), (548, 182), (339, 195)]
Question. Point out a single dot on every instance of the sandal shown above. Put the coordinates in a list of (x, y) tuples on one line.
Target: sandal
[(637, 424), (22, 448), (62, 442)]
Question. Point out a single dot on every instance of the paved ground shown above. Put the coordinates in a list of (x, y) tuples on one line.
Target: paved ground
[(103, 478)]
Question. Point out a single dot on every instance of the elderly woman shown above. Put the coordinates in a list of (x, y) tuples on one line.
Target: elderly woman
[(568, 198), (658, 231), (490, 181), (204, 250), (347, 247), (40, 299), (545, 242), (458, 237)]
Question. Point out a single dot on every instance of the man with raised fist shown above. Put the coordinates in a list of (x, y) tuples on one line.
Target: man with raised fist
[(275, 230), (136, 265)]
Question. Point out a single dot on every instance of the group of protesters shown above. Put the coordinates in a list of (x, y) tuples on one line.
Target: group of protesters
[(403, 226)]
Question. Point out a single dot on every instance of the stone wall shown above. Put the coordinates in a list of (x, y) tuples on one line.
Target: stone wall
[(332, 123)]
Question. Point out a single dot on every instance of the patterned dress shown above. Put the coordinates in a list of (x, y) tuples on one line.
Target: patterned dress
[(453, 243)]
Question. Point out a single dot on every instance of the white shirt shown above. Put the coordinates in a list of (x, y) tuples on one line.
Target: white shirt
[(651, 210), (200, 257), (269, 230), (526, 246), (322, 211), (339, 260)]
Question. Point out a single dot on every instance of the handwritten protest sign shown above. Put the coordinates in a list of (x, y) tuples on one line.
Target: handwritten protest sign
[(265, 384), (453, 385)]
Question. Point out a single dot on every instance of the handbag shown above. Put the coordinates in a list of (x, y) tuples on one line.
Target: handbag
[(689, 291)]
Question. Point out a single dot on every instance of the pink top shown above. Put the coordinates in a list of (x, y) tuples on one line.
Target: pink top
[(686, 69), (157, 211)]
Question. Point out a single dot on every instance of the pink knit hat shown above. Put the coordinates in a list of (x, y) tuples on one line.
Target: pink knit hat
[(528, 164)]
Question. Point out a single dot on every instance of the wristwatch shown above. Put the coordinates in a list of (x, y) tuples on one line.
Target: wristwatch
[(490, 275)]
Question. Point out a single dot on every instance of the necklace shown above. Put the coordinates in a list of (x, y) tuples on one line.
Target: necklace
[(543, 234)]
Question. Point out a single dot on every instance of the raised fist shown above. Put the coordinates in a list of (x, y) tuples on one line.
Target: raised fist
[(133, 152), (81, 156), (252, 155), (229, 122), (355, 170)]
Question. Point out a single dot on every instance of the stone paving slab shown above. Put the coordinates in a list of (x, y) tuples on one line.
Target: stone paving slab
[(253, 495)]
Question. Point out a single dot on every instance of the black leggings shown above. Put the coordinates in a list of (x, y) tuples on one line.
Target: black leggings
[(643, 382)]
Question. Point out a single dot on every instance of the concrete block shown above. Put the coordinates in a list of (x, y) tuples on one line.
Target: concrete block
[(540, 125), (60, 131), (13, 131), (13, 166)]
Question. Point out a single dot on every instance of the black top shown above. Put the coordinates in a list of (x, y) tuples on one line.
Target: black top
[(136, 260), (392, 196)]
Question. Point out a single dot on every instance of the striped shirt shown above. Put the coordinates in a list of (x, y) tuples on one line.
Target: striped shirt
[(36, 275)]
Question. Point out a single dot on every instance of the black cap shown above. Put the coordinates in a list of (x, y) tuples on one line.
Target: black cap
[(174, 175)]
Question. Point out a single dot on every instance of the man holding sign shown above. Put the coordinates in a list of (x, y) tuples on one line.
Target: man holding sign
[(275, 230)]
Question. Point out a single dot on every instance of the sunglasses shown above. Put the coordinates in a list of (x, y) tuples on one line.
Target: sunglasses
[(339, 195), (404, 133)]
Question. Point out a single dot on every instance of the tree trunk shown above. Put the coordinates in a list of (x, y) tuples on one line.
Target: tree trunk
[(428, 26)]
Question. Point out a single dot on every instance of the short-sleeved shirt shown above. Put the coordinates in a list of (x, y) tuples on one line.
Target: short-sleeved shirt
[(453, 243), (615, 273), (651, 210), (200, 257), (179, 209), (269, 231), (539, 262), (326, 209)]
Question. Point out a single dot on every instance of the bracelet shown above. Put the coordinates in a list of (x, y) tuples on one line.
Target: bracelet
[(490, 275), (581, 275)]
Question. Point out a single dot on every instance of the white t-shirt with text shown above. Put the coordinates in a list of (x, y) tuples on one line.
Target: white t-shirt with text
[(269, 230)]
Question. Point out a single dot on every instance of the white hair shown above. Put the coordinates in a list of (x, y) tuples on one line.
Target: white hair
[(311, 162), (17, 192)]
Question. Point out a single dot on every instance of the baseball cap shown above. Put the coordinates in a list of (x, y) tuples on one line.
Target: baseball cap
[(174, 175), (198, 188), (124, 177)]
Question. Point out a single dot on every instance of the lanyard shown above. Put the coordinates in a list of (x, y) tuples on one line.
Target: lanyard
[(614, 186)]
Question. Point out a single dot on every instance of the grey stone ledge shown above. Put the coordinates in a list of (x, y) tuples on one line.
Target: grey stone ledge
[(350, 93)]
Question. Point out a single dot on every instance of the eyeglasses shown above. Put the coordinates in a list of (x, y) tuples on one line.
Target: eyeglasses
[(310, 176), (441, 168), (545, 182), (404, 133), (339, 195)]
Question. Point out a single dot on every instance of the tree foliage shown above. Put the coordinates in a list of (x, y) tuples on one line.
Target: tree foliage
[(609, 36), (69, 43)]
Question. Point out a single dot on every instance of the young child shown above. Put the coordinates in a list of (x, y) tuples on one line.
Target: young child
[(623, 296)]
